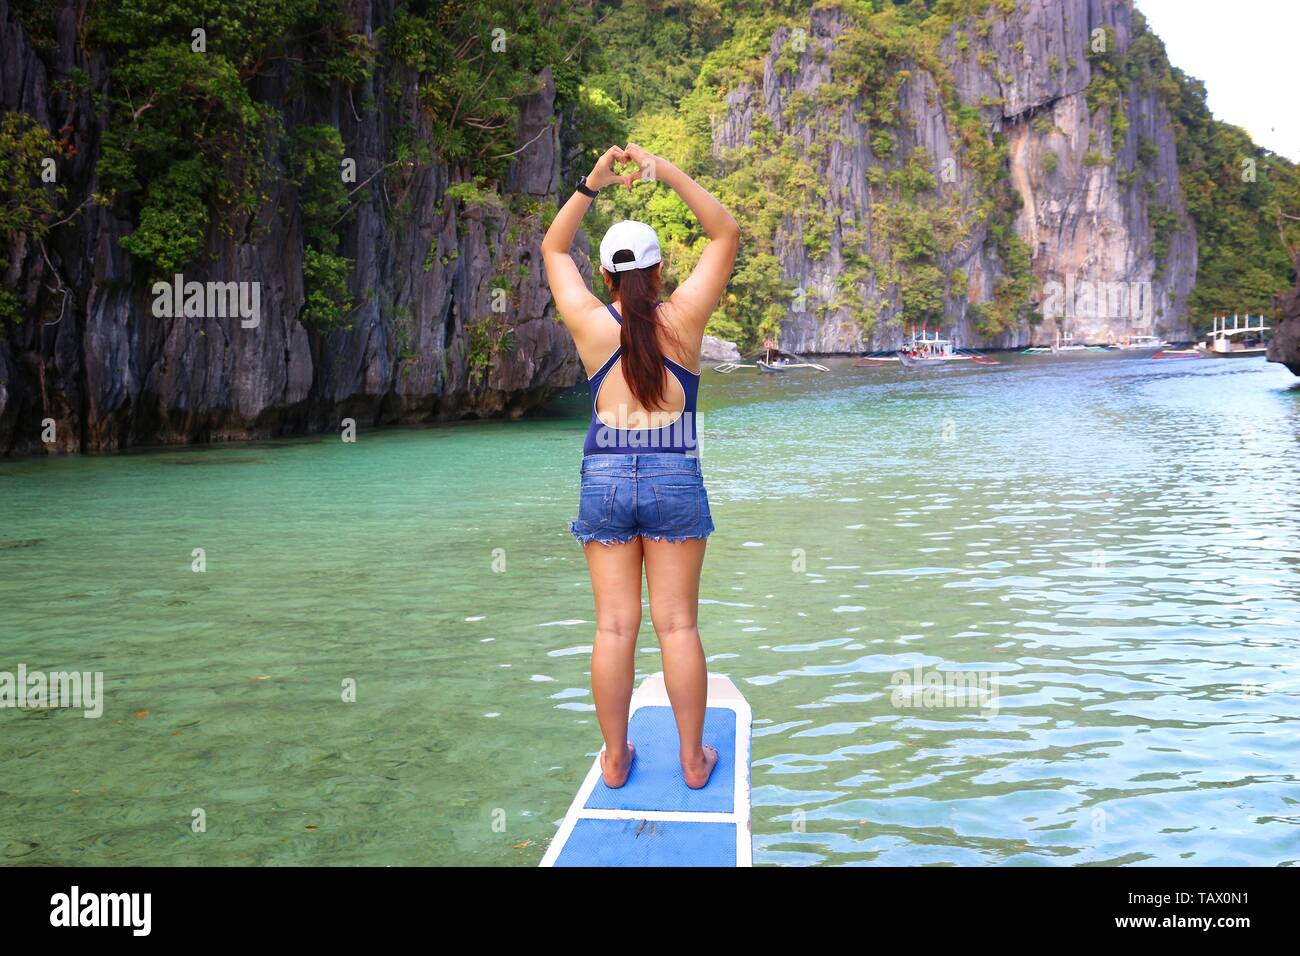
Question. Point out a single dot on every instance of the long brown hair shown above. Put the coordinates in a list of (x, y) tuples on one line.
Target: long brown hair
[(638, 299)]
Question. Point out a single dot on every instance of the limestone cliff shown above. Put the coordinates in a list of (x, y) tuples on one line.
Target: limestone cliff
[(425, 342), (1096, 206), (1092, 195)]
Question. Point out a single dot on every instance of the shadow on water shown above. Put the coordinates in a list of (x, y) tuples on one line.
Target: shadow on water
[(16, 544)]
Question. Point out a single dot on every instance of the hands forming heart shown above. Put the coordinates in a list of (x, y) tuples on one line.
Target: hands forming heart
[(603, 173)]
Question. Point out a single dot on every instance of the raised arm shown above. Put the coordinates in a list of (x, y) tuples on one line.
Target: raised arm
[(695, 299), (573, 300)]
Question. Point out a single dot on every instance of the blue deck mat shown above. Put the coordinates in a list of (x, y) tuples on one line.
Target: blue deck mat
[(649, 843), (656, 782)]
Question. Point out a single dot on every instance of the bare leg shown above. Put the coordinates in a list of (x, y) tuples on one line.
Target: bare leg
[(673, 576), (616, 584)]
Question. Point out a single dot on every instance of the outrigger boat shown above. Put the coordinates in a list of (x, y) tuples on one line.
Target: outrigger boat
[(1060, 344), (1242, 339), (771, 359), (928, 350), (1140, 343), (655, 819), (924, 350), (1177, 354)]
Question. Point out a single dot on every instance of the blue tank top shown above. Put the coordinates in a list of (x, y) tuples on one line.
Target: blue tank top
[(678, 436)]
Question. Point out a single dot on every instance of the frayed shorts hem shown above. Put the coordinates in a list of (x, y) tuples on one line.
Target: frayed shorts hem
[(604, 537)]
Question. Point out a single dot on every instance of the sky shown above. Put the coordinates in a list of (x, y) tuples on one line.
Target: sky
[(1244, 51)]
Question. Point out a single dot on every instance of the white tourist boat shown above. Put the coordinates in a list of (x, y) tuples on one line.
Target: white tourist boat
[(1244, 338), (1063, 343), (926, 349), (1141, 343)]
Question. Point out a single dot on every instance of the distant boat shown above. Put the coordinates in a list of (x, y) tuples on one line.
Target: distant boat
[(1140, 343), (771, 359), (926, 349), (1243, 339), (1061, 344)]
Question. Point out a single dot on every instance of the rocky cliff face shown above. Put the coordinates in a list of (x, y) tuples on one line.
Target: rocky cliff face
[(1095, 216), (1098, 211), (1284, 343), (425, 341)]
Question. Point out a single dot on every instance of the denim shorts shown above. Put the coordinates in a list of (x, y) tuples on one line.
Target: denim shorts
[(659, 496)]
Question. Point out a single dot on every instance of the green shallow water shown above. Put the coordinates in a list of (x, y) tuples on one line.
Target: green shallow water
[(1114, 540)]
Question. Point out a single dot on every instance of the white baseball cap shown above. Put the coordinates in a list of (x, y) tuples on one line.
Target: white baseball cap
[(635, 237)]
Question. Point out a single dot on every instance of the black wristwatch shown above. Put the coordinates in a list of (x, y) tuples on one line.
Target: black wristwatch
[(586, 190)]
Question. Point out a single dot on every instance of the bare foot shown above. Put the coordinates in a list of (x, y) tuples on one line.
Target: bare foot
[(615, 772), (697, 773)]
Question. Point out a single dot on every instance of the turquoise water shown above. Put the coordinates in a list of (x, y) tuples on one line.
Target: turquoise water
[(1109, 544)]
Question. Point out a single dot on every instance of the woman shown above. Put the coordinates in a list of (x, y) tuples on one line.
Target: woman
[(643, 500)]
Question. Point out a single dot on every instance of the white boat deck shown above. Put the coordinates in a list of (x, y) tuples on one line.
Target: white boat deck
[(655, 819)]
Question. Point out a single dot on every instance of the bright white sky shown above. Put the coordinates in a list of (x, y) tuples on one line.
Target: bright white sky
[(1244, 51)]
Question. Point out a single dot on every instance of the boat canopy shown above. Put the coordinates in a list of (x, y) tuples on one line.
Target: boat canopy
[(1222, 328)]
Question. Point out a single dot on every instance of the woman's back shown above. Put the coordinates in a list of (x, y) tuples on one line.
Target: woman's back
[(679, 346), (622, 422)]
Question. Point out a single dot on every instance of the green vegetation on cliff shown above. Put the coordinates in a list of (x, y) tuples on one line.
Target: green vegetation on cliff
[(199, 141), (673, 65), (775, 183), (1236, 192), (202, 91), (28, 205)]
